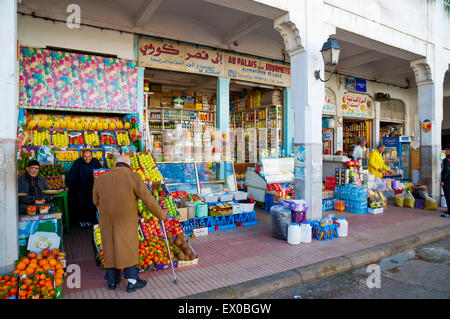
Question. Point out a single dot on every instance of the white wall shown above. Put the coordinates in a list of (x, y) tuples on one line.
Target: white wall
[(40, 33)]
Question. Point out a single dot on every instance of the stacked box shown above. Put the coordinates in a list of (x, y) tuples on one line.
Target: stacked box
[(240, 145), (216, 143), (262, 142), (252, 145)]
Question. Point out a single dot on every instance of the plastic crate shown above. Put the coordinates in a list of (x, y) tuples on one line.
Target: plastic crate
[(240, 195), (323, 233), (246, 219), (226, 197), (210, 198), (247, 207)]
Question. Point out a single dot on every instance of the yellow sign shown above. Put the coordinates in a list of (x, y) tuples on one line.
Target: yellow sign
[(159, 54)]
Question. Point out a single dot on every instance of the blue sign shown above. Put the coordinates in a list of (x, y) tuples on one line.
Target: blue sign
[(361, 85)]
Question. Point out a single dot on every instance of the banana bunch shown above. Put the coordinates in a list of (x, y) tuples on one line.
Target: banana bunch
[(71, 125), (119, 125), (127, 125), (67, 156), (31, 124), (98, 237)]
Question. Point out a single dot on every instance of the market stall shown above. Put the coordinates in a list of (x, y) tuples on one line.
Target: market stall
[(67, 102)]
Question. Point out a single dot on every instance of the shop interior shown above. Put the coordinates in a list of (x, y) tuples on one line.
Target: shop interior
[(352, 129)]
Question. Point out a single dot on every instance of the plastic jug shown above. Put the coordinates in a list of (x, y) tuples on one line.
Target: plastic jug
[(343, 227), (306, 232), (294, 234)]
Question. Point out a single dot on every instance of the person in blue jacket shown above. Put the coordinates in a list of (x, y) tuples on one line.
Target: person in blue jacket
[(80, 183)]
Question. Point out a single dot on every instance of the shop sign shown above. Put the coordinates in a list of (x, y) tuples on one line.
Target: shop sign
[(329, 106), (56, 79), (355, 105), (159, 54), (355, 84)]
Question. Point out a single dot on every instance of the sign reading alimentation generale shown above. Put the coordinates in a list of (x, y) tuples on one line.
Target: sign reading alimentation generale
[(159, 54)]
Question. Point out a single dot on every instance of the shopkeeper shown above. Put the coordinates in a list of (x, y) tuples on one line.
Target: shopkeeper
[(31, 184), (376, 162), (80, 182), (359, 149)]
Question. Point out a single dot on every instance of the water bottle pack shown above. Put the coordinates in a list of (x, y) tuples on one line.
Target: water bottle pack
[(355, 198)]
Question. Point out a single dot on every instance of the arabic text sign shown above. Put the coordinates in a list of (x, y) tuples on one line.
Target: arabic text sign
[(355, 105), (329, 106), (177, 57)]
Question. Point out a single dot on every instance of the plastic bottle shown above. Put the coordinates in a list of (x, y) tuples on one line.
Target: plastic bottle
[(343, 227), (306, 232), (294, 234)]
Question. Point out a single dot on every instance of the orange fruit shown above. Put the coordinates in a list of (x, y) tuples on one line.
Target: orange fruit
[(53, 262), (48, 284), (60, 271), (58, 282), (42, 277), (43, 262), (21, 266), (47, 267), (34, 260), (25, 260), (58, 266)]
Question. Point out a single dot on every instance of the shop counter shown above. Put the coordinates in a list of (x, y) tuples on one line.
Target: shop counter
[(331, 162)]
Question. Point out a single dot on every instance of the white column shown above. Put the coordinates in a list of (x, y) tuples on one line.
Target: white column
[(376, 125), (430, 100), (307, 101), (8, 136)]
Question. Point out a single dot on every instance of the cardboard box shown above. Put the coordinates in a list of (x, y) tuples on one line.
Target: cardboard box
[(183, 214), (375, 210)]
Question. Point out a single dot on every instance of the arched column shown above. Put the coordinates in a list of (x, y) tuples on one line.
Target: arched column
[(307, 95), (430, 102), (9, 248)]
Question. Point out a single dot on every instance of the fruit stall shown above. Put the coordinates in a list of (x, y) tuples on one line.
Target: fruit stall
[(37, 275)]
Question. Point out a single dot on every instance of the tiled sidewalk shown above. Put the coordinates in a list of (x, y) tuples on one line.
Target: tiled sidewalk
[(233, 256)]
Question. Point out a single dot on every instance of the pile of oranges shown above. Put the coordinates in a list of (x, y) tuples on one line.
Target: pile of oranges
[(153, 251), (46, 261), (37, 286), (9, 286)]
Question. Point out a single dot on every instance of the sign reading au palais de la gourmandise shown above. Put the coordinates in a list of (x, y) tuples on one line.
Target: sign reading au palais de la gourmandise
[(155, 53)]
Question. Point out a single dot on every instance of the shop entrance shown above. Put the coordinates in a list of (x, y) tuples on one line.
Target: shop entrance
[(256, 120), (177, 100), (354, 128)]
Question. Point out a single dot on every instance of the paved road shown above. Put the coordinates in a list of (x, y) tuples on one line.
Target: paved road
[(423, 272)]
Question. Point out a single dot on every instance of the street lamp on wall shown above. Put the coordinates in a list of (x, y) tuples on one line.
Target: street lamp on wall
[(330, 53)]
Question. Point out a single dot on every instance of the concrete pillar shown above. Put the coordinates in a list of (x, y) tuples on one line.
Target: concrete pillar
[(223, 105), (376, 125), (9, 248), (307, 96), (288, 123), (430, 101)]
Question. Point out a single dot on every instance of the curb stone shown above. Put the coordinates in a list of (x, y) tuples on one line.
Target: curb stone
[(261, 287)]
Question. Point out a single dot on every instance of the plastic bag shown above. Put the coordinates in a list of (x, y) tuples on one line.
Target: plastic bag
[(399, 201), (430, 203), (280, 220), (379, 184), (409, 201)]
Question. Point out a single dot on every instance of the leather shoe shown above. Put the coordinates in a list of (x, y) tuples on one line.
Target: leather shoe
[(112, 286), (138, 285)]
